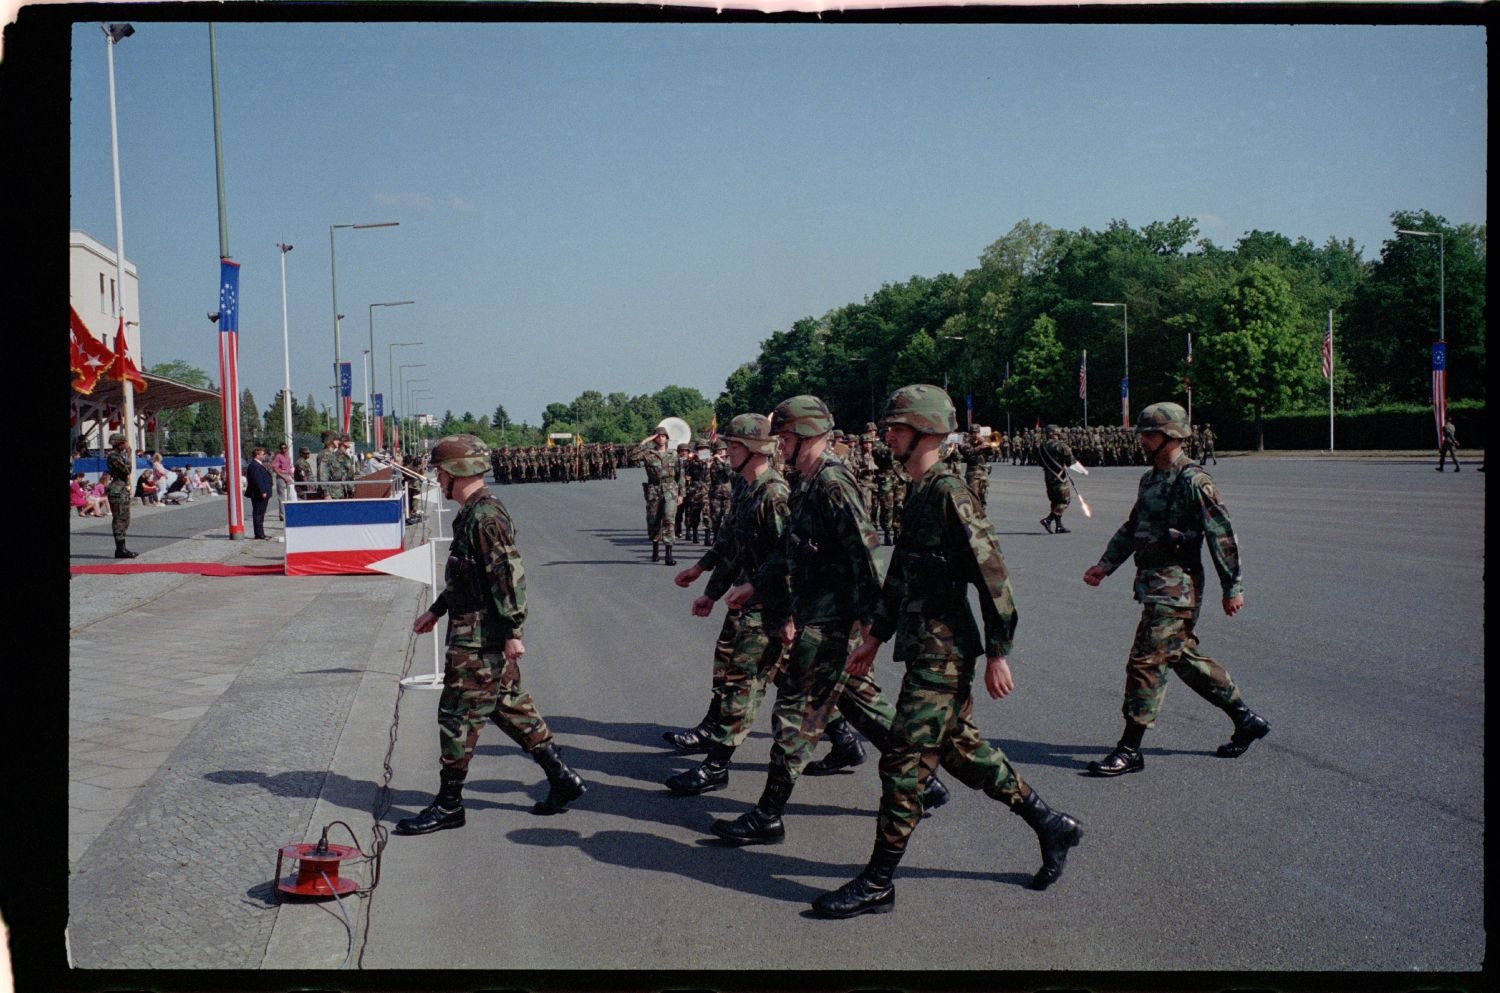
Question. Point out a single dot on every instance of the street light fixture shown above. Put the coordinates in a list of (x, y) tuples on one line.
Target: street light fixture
[(113, 33), (393, 303), (1124, 383), (402, 384), (286, 354), (1442, 335), (334, 270)]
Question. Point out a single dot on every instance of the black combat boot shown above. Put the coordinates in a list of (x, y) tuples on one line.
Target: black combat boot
[(887, 536), (1057, 832), (445, 811), (1126, 757), (564, 785), (847, 751), (1059, 529), (655, 551), (1249, 727), (712, 774), (121, 552), (762, 824), (1046, 522), (870, 892), (934, 794), (670, 560)]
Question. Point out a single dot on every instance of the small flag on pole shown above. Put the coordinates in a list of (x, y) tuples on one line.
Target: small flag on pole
[(1440, 386), (1083, 376), (713, 429), (88, 356), (1328, 352), (120, 367), (346, 394)]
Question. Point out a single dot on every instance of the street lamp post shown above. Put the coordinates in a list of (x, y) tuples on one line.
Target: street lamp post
[(286, 355), (1124, 383), (333, 268), (373, 353), (114, 33), (401, 388), (1442, 335), (390, 353), (369, 438), (416, 397)]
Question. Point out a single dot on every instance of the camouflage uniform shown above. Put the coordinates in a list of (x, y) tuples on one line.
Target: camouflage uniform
[(335, 468), (1055, 457), (946, 545), (1177, 510), (660, 488), (484, 598), (1449, 448), (120, 464)]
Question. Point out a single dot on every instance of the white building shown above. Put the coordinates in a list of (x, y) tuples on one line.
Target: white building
[(92, 276)]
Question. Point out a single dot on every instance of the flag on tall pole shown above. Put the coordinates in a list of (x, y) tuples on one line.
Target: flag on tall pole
[(1125, 401), (346, 394), (377, 401), (1083, 377), (1440, 386), (88, 356), (229, 375), (1328, 349), (120, 366), (713, 429)]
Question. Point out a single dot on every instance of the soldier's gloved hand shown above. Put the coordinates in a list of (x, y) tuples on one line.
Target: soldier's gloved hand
[(703, 606), (688, 576)]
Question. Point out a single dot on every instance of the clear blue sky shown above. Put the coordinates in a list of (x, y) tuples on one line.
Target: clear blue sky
[(620, 207)]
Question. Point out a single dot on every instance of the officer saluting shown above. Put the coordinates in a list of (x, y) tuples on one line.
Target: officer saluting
[(485, 600), (946, 545), (1176, 508), (120, 464)]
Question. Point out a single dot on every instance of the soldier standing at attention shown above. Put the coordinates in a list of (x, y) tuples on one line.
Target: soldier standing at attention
[(1208, 445), (947, 545), (827, 557), (303, 474), (1449, 447), (721, 477), (661, 492), (120, 464), (1176, 508), (750, 642), (1055, 457), (976, 469), (485, 600)]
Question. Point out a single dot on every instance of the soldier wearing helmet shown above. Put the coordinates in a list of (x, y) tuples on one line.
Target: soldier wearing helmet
[(485, 599), (721, 479), (1055, 457), (660, 489), (749, 643), (1208, 444), (1177, 510), (335, 467), (946, 546), (120, 465), (827, 558)]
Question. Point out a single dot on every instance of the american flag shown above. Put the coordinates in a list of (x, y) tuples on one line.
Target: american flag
[(1440, 386), (1328, 352), (1083, 376)]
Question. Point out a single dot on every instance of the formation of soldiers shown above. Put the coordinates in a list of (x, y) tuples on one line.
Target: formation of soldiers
[(555, 463)]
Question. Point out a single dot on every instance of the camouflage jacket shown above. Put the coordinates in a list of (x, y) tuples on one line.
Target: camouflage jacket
[(753, 529), (119, 465), (946, 545), (1175, 510), (485, 584), (660, 466), (1055, 456), (828, 552)]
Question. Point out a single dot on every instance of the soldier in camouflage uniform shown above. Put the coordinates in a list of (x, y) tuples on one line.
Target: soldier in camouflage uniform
[(660, 488), (750, 643), (973, 452), (827, 557), (721, 480), (695, 489), (335, 467), (120, 465), (947, 545), (1176, 509), (485, 600), (1056, 456), (1208, 444)]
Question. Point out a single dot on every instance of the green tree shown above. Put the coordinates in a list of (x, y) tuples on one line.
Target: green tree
[(500, 419), (250, 425), (177, 425), (679, 401), (207, 433), (1040, 376), (917, 362), (306, 418), (275, 417)]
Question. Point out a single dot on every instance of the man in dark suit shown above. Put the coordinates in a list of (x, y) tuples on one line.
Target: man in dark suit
[(258, 487)]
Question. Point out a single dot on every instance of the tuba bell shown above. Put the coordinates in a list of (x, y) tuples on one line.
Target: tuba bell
[(679, 432)]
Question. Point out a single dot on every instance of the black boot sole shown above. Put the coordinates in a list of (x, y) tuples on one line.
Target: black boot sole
[(720, 828), (439, 826), (884, 905), (683, 790)]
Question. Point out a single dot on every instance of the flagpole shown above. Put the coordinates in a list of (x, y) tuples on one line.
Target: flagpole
[(1330, 381), (228, 331), (113, 33)]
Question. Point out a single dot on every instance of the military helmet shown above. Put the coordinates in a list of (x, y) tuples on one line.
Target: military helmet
[(116, 439), (660, 432), (753, 431), (1168, 418), (1053, 431), (720, 445), (804, 416), (461, 455), (923, 408), (683, 446)]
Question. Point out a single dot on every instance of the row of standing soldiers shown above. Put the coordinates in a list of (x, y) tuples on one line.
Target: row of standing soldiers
[(1098, 445), (555, 464)]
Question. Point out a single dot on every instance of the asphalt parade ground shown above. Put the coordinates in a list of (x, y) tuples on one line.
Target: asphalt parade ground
[(214, 720)]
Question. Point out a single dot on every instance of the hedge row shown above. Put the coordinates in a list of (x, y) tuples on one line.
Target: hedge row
[(1394, 426)]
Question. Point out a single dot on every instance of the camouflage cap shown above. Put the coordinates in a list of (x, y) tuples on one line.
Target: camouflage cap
[(923, 408), (720, 445), (116, 439), (804, 416), (753, 431), (461, 455), (1168, 418), (683, 446)]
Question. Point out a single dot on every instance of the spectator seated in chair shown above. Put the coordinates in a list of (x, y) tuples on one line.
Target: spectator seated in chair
[(83, 501)]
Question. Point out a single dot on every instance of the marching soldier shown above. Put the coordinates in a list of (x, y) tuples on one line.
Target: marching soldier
[(120, 464), (946, 546), (1055, 457), (1176, 508), (485, 600), (660, 488)]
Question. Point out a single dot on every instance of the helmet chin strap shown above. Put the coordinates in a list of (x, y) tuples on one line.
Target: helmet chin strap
[(744, 462), (448, 490)]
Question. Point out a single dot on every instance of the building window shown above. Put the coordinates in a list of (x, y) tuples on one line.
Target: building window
[(114, 305), (103, 301)]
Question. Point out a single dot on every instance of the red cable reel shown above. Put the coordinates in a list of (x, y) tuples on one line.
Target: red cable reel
[(318, 869)]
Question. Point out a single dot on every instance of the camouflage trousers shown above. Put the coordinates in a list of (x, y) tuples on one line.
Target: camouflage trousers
[(813, 681), (744, 657), (479, 685), (934, 725), (661, 513), (119, 508), (1060, 494), (1165, 640), (980, 486), (885, 514)]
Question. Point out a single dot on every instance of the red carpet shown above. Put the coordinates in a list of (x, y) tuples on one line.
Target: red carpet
[(191, 568)]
